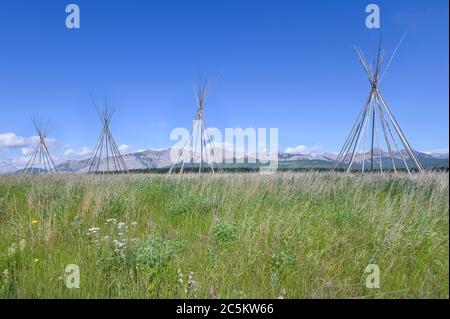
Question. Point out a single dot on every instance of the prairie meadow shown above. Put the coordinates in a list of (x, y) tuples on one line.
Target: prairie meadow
[(286, 235)]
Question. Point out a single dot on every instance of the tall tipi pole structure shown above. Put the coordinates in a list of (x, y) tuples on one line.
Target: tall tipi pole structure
[(199, 139), (107, 158), (40, 160), (375, 118)]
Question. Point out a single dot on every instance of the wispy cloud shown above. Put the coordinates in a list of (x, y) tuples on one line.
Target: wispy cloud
[(71, 153), (12, 141), (17, 149), (438, 151), (124, 148), (26, 145)]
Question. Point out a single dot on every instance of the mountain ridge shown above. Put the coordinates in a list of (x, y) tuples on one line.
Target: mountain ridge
[(160, 159)]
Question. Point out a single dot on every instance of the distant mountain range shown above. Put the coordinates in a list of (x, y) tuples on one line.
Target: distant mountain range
[(160, 159), (327, 160)]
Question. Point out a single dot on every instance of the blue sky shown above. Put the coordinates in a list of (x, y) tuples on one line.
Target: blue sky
[(283, 64)]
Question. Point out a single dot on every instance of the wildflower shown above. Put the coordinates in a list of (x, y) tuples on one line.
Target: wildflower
[(120, 225), (12, 249), (282, 293), (93, 231), (180, 276), (191, 285), (36, 260), (34, 222), (134, 223), (118, 243)]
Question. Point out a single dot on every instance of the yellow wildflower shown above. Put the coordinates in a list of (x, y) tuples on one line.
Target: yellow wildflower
[(34, 221)]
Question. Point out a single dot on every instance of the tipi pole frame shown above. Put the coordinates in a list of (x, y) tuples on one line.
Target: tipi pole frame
[(382, 120), (400, 133), (373, 129), (338, 160), (397, 147), (202, 137), (211, 142), (361, 130), (106, 145), (40, 152), (376, 103), (354, 135)]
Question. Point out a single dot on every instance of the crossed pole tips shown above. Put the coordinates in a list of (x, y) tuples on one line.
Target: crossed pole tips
[(106, 158), (199, 146), (40, 160), (375, 114)]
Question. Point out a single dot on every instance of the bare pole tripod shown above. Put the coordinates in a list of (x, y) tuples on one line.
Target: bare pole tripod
[(40, 160), (106, 158), (199, 131), (375, 114)]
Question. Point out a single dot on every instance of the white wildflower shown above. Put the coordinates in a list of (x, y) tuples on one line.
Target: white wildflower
[(180, 276), (12, 249), (93, 231), (191, 285), (118, 243)]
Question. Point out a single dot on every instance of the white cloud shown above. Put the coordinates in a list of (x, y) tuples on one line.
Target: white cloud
[(19, 162), (12, 141), (438, 151), (27, 150), (71, 153), (302, 149), (124, 148)]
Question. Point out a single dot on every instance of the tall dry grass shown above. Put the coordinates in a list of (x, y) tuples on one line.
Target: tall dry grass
[(291, 235)]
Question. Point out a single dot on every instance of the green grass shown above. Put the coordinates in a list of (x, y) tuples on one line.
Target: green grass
[(302, 235)]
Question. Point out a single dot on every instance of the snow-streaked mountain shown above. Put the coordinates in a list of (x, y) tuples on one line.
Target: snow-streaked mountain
[(154, 159), (150, 159), (326, 160), (134, 161), (300, 156), (438, 155)]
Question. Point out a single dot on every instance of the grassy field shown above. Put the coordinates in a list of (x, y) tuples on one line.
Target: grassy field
[(302, 235)]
